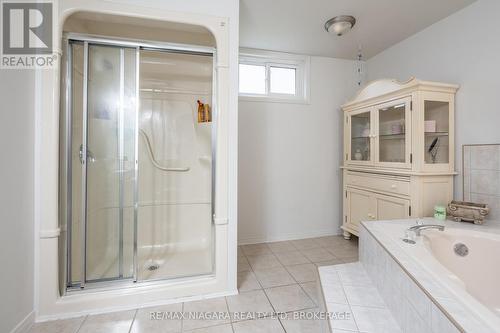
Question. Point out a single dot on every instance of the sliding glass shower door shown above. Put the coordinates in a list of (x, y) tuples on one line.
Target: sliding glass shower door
[(104, 163), (137, 158), (111, 159)]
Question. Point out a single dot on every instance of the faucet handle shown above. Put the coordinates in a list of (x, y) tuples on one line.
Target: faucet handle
[(420, 222)]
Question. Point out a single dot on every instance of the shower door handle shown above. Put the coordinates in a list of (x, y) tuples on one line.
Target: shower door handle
[(90, 155)]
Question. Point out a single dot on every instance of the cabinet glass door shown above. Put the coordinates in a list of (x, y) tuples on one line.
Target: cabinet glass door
[(393, 133), (437, 136), (360, 143)]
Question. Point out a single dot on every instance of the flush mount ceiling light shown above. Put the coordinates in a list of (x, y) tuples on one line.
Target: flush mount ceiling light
[(339, 25)]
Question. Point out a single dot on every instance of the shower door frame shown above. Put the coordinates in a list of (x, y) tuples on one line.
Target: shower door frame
[(66, 180)]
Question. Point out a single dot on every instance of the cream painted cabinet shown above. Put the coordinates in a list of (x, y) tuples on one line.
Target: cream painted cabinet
[(360, 206), (391, 208), (398, 151)]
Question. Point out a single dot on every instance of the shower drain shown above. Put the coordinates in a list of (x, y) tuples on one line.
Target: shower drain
[(153, 267)]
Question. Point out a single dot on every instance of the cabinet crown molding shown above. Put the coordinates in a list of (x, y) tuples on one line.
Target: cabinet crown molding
[(383, 88)]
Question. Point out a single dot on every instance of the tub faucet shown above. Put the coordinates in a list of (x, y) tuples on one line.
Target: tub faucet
[(418, 228)]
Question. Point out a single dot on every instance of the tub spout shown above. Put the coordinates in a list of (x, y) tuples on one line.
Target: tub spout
[(418, 228)]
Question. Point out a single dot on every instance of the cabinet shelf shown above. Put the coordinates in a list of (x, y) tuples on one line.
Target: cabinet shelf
[(395, 136), (436, 134)]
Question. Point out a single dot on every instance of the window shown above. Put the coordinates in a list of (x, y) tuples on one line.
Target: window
[(252, 79), (273, 76)]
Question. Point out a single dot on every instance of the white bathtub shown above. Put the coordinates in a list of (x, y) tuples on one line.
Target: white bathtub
[(478, 271), (468, 287)]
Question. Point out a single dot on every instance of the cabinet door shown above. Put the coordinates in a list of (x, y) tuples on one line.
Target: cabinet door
[(390, 208), (360, 207), (437, 146), (359, 140), (393, 134)]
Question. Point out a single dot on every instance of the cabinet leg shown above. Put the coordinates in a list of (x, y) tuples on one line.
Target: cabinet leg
[(347, 235)]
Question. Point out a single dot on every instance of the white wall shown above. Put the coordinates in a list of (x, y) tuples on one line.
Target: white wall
[(462, 49), (289, 158), (16, 197)]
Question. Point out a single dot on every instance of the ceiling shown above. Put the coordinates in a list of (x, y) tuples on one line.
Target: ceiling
[(296, 26)]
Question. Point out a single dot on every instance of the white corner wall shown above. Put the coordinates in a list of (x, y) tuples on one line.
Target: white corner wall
[(289, 159), (462, 49), (17, 117)]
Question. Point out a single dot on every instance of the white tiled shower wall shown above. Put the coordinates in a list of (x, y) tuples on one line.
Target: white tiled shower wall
[(409, 305), (481, 169)]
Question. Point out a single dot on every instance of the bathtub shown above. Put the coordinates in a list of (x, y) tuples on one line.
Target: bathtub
[(465, 288), (479, 270)]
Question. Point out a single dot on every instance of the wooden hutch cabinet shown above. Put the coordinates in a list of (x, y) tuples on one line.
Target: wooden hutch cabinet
[(398, 151)]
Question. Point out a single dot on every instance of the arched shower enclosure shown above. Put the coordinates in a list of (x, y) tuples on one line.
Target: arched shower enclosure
[(137, 158)]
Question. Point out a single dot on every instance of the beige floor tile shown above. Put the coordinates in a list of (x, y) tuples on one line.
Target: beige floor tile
[(227, 328), (243, 264), (247, 281), (329, 262), (332, 241), (262, 261), (305, 244), (250, 303), (289, 298), (116, 322), (318, 255), (264, 325), (254, 249), (273, 277), (205, 306), (292, 258), (58, 326), (311, 289), (157, 319), (345, 252), (303, 272), (280, 247), (240, 252), (349, 259)]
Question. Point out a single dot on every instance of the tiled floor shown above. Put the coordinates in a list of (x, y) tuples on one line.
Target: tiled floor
[(272, 277)]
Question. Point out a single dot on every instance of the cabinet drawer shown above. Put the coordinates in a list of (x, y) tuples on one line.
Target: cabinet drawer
[(388, 184)]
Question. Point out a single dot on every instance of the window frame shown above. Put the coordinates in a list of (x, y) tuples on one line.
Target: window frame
[(268, 59)]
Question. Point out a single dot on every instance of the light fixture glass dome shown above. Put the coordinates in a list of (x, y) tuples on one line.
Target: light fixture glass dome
[(340, 25)]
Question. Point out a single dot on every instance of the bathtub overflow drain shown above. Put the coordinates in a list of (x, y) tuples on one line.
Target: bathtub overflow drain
[(461, 249)]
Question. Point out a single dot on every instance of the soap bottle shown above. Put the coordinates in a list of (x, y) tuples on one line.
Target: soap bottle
[(201, 112), (207, 113)]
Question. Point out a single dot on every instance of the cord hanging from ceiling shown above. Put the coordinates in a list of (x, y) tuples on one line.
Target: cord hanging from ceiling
[(360, 67)]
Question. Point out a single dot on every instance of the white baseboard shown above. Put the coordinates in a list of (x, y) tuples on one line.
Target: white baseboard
[(285, 237), (25, 324)]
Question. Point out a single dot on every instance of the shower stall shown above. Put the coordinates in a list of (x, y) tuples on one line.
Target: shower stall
[(137, 154)]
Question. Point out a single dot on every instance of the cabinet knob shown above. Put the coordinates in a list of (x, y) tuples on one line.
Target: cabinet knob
[(393, 186)]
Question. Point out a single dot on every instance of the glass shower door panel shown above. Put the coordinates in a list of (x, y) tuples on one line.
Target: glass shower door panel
[(75, 228), (175, 235), (110, 163)]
